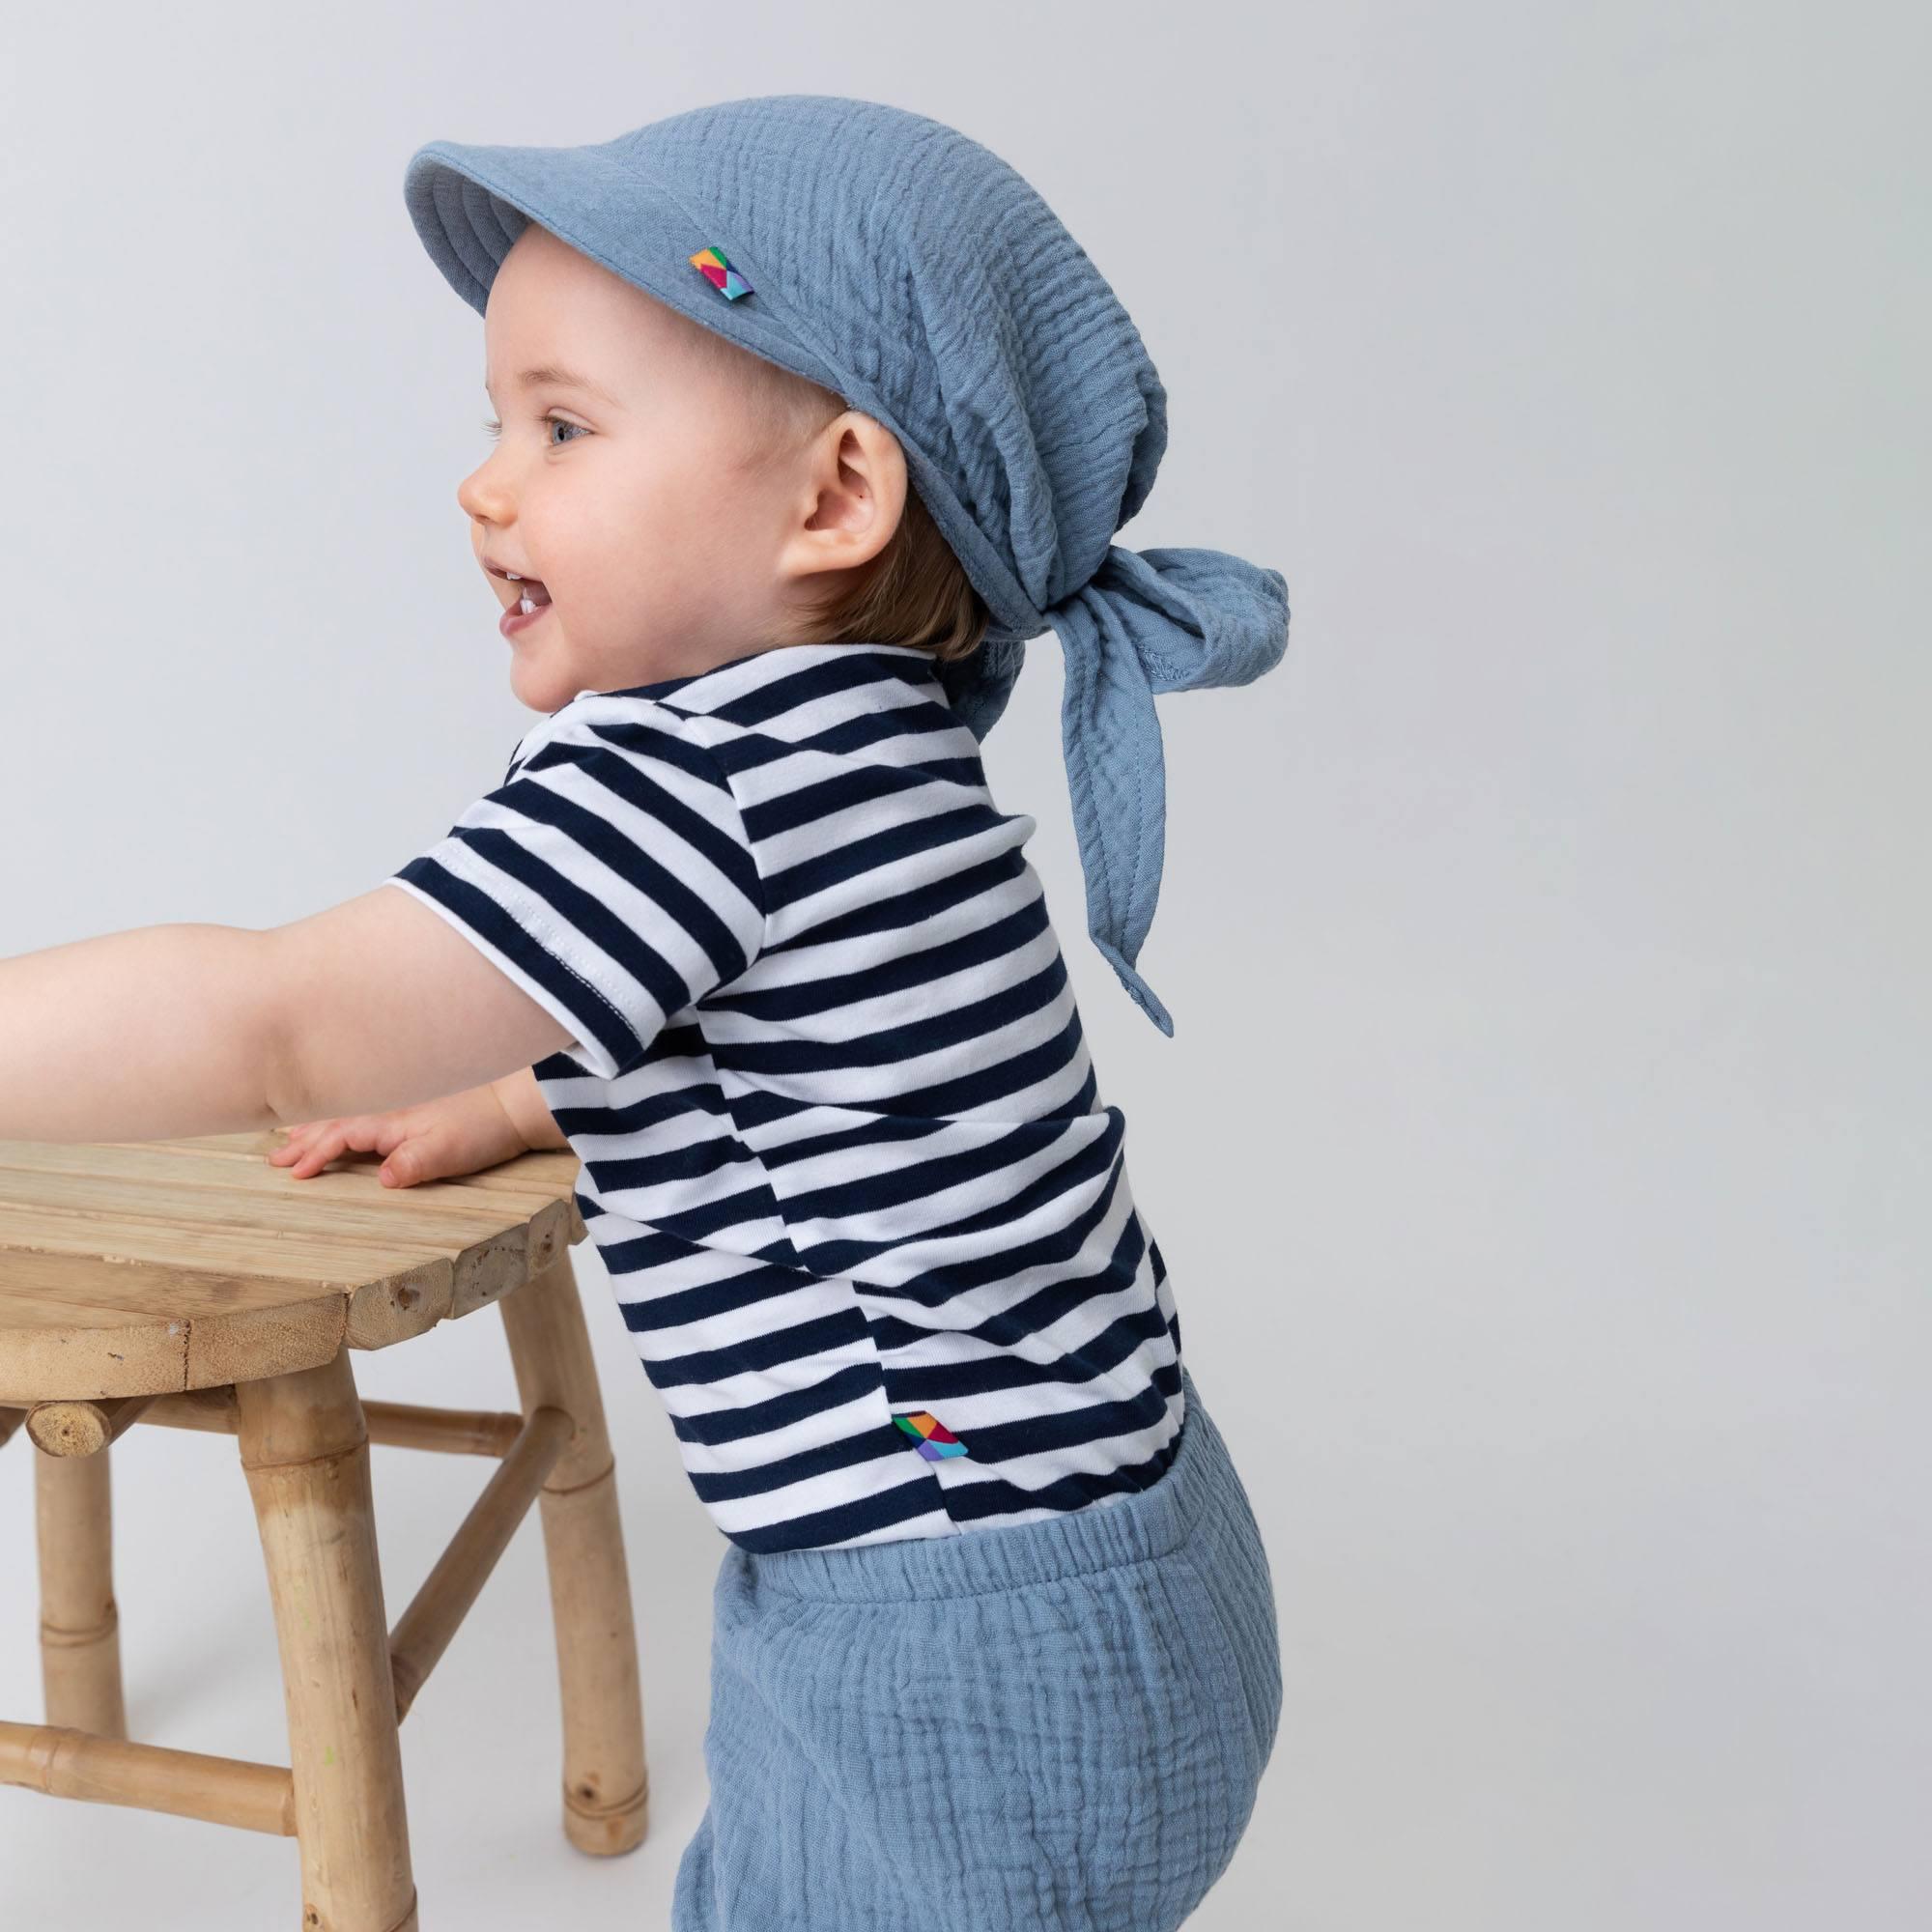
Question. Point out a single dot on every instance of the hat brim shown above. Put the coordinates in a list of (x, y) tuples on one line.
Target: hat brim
[(468, 205)]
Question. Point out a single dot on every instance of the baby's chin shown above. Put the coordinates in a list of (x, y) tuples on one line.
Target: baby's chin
[(547, 670), (542, 676)]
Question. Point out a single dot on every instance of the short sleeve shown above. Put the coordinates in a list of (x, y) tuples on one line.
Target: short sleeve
[(610, 875)]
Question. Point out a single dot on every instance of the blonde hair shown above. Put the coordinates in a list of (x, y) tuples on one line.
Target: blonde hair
[(915, 591)]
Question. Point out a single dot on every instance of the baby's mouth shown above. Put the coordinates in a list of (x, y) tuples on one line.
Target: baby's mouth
[(530, 592)]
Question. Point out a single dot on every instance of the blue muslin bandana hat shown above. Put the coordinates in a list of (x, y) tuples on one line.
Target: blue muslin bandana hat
[(899, 264)]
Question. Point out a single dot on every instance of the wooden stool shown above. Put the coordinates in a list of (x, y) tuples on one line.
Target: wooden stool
[(190, 1283)]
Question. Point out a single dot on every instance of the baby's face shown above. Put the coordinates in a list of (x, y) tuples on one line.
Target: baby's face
[(631, 477)]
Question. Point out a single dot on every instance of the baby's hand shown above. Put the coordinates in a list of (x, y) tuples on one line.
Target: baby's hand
[(462, 1133)]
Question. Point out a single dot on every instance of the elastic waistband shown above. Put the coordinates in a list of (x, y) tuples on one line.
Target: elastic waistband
[(1141, 1524)]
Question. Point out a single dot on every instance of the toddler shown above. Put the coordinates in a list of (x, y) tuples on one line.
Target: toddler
[(810, 412)]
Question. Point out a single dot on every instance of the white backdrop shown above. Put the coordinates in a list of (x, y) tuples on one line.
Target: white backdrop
[(1540, 1155)]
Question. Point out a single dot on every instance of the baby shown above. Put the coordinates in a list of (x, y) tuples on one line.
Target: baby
[(810, 412)]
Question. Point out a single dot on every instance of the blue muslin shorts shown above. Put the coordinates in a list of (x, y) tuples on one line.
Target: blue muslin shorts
[(1054, 1724)]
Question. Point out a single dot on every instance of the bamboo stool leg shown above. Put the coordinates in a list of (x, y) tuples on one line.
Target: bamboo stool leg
[(80, 1625), (606, 1783), (305, 1446)]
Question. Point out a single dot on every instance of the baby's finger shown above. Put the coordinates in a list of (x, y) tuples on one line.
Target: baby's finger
[(287, 1149), (320, 1150)]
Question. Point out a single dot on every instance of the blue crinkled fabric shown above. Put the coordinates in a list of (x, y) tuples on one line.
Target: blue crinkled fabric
[(1057, 1726)]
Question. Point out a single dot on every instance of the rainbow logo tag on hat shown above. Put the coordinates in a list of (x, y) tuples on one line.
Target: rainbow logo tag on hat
[(931, 1436), (710, 263)]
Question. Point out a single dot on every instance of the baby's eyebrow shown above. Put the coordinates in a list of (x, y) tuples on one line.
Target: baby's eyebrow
[(548, 374)]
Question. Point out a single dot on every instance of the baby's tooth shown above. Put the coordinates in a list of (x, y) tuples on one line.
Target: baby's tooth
[(526, 605)]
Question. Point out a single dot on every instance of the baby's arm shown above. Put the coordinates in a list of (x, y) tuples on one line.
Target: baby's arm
[(383, 1003), (179, 1029), (162, 1031)]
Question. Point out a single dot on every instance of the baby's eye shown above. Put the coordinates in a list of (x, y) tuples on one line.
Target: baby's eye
[(492, 427)]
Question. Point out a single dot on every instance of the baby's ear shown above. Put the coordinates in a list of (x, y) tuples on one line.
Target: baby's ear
[(853, 496)]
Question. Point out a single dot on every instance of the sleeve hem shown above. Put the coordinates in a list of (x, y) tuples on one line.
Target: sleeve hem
[(591, 1051)]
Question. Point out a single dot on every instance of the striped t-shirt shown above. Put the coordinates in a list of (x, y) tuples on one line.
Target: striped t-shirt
[(844, 1150)]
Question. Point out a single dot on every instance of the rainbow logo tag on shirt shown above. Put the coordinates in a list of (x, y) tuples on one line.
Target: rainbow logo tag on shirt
[(931, 1436), (710, 263)]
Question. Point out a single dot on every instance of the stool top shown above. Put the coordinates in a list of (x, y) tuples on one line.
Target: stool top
[(142, 1268)]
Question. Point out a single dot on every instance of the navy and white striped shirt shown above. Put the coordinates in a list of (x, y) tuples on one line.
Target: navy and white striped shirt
[(844, 1150)]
